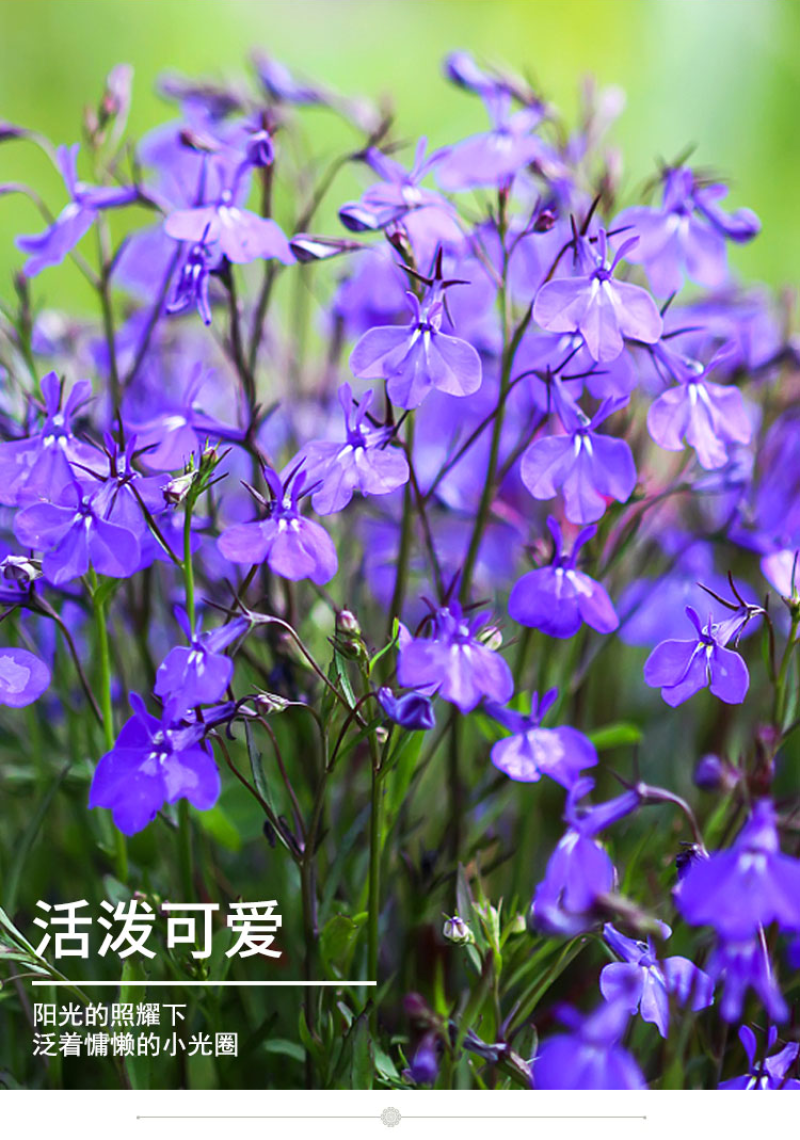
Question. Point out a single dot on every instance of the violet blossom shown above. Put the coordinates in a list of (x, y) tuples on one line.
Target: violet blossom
[(558, 598)]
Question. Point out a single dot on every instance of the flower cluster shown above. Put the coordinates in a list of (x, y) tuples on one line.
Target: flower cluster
[(353, 496)]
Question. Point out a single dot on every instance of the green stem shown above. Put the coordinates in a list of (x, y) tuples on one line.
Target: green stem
[(106, 707), (779, 704), (487, 495), (375, 854), (188, 568), (185, 857), (406, 537)]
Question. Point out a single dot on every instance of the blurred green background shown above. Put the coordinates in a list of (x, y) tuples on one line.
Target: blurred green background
[(724, 76)]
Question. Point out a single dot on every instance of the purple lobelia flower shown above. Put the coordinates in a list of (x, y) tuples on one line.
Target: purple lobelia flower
[(292, 546), (748, 886), (399, 197), (558, 598), (77, 217), (200, 673), (602, 309), (424, 1067), (39, 465), (681, 668), (417, 357), (648, 983), (580, 871), (587, 467), (241, 235), (191, 290), (172, 427), (686, 234), (153, 762), (709, 417), (23, 678), (412, 710), (741, 966), (770, 1074), (532, 751), (123, 490), (494, 157), (363, 461), (454, 661), (589, 1055), (73, 533)]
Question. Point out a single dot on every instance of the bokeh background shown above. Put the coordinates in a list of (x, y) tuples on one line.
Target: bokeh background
[(723, 75)]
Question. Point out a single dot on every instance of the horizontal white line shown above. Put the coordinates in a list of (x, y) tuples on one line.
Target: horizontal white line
[(345, 982)]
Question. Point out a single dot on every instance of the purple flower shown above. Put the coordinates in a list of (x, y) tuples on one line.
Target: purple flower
[(493, 158), (424, 1067), (558, 598), (123, 490), (77, 217), (170, 429), (413, 710), (191, 290), (589, 1056), (686, 235), (73, 534), (38, 466), (750, 885), (589, 468), (770, 1075), (200, 673), (706, 416), (399, 197), (454, 661), (23, 678), (153, 762), (580, 871), (681, 668), (601, 309), (415, 358), (781, 568), (242, 235), (648, 983), (362, 462), (292, 546), (532, 751), (742, 966)]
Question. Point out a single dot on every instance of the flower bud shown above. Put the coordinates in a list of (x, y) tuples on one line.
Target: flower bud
[(492, 638), (268, 703), (456, 930), (18, 568), (176, 490)]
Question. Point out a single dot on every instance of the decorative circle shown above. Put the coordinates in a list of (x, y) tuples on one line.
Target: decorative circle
[(391, 1117)]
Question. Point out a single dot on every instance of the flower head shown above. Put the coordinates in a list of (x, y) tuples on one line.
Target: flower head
[(364, 461), (532, 751), (601, 308), (681, 668), (293, 547), (558, 598), (454, 662), (153, 762)]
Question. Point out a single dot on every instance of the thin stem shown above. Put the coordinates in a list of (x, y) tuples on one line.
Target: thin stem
[(106, 705), (406, 536), (185, 854)]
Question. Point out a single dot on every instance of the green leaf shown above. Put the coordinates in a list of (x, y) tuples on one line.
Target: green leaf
[(218, 824), (615, 735), (254, 756), (338, 938), (284, 1048), (26, 842), (361, 1066), (137, 1068)]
